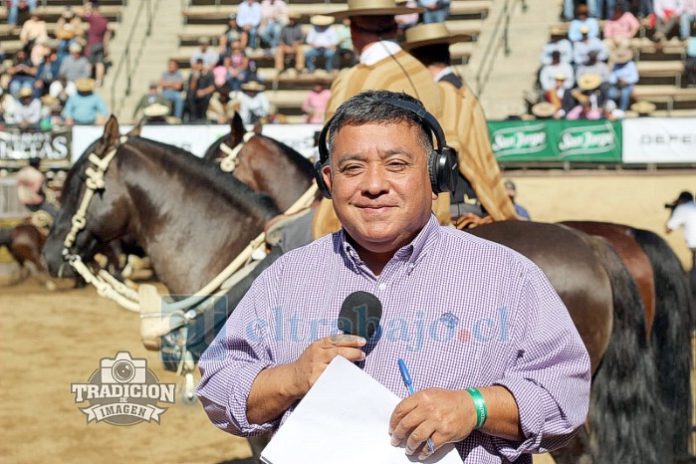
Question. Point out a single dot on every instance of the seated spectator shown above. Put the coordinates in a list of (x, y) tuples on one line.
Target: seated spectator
[(436, 11), (590, 99), (687, 20), (249, 19), (209, 56), (667, 14), (231, 34), (547, 76), (22, 73), (19, 11), (253, 104), (41, 49), (690, 59), (273, 13), (560, 97), (345, 54), (98, 37), (32, 30), (85, 107), (291, 40), (151, 97), (314, 106), (201, 86), (221, 108), (583, 47), (561, 45), (622, 78), (75, 66), (48, 71), (238, 67), (322, 41), (27, 112), (172, 83), (620, 28), (583, 25), (405, 21), (593, 66), (69, 30)]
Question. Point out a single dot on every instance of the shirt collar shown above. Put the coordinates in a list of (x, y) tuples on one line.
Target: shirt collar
[(443, 73), (411, 253), (378, 51)]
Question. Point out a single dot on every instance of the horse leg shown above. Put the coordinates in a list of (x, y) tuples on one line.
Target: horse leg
[(671, 337)]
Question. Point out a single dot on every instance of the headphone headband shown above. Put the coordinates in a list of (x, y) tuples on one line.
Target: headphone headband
[(418, 110)]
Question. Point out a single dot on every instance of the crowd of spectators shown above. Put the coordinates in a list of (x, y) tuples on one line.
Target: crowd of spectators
[(50, 81), (591, 73), (226, 73)]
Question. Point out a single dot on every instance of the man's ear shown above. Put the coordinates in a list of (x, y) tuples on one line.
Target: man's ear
[(326, 174)]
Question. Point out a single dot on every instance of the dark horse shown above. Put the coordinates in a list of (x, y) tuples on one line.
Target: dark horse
[(190, 218), (24, 242), (265, 164)]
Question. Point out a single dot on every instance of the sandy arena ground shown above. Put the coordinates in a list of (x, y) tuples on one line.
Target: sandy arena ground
[(52, 339)]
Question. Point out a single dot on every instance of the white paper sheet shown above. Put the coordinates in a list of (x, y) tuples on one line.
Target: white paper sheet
[(344, 418)]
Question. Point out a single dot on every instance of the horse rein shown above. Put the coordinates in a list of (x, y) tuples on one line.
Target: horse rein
[(106, 284), (231, 160)]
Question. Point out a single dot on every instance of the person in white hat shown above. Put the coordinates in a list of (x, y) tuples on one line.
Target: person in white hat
[(75, 66), (547, 76), (479, 191), (253, 103), (560, 97), (383, 65), (623, 78), (27, 112), (587, 44), (583, 22), (322, 42)]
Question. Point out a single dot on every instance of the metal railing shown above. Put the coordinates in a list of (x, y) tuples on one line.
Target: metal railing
[(125, 62), (499, 33)]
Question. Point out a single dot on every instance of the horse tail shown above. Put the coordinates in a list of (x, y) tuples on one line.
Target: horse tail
[(625, 418), (670, 335)]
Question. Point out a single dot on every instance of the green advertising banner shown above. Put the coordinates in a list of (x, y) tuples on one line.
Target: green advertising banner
[(556, 141)]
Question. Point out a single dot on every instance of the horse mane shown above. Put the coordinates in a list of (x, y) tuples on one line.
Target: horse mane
[(225, 185)]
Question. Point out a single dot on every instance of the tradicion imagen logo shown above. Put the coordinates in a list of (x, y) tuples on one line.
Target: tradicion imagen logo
[(123, 391)]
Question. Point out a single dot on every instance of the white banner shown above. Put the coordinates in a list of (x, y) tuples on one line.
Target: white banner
[(197, 138), (659, 140)]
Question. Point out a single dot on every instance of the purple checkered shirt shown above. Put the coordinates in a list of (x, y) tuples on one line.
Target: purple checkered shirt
[(461, 311)]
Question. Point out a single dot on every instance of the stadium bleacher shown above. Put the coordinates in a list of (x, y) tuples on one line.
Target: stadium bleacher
[(661, 70)]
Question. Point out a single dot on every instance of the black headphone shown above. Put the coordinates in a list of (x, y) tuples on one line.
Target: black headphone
[(442, 162)]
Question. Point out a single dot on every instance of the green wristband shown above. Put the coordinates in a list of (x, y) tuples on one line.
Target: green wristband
[(479, 406)]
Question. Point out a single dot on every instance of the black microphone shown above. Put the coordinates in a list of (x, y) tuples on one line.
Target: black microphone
[(360, 315)]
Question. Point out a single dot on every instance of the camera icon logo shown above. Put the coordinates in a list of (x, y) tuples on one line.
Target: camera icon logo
[(123, 369)]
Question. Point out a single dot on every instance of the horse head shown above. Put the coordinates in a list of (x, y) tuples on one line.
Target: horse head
[(231, 140), (94, 208)]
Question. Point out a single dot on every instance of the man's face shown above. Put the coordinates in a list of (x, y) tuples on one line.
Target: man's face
[(172, 66), (379, 183)]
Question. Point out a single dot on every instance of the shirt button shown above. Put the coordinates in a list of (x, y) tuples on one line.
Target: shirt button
[(382, 286)]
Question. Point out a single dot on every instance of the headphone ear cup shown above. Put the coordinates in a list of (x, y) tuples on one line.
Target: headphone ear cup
[(319, 177), (443, 170)]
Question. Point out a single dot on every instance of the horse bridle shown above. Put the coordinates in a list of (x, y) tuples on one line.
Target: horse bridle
[(231, 160), (106, 284), (93, 183)]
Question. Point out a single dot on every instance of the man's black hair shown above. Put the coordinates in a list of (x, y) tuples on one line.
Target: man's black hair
[(370, 107), (35, 162), (433, 54)]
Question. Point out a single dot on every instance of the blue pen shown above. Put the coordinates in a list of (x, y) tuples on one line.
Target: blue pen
[(409, 385)]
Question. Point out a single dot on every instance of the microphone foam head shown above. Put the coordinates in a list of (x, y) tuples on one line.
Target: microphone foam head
[(360, 314)]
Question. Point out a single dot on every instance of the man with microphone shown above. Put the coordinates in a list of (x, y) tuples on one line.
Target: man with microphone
[(497, 364)]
